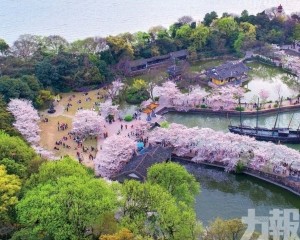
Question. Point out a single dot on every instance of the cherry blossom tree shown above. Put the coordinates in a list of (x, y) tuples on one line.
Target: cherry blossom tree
[(44, 153), (264, 94), (26, 123), (27, 119), (115, 88), (171, 96), (196, 97), (87, 123), (225, 98), (141, 125), (107, 108), (227, 149), (168, 92), (116, 151)]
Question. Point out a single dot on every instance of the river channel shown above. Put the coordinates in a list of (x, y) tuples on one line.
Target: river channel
[(228, 195)]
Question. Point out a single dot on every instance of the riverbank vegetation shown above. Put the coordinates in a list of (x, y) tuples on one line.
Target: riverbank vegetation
[(63, 200), (41, 199), (34, 67)]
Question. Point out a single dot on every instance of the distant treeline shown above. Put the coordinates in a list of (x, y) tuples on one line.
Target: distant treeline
[(35, 66)]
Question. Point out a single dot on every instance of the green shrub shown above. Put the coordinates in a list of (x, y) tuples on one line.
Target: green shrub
[(165, 124), (203, 106), (240, 108), (135, 96), (128, 118), (239, 168), (156, 99), (275, 105)]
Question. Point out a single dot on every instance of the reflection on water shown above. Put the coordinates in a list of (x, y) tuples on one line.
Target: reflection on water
[(228, 196), (220, 123), (270, 79)]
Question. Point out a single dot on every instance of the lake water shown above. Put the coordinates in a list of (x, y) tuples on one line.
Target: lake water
[(272, 79), (230, 196), (222, 194), (75, 19)]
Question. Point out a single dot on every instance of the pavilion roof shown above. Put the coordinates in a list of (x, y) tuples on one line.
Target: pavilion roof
[(177, 54), (139, 164), (227, 70)]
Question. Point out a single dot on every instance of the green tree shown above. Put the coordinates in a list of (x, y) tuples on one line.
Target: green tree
[(44, 98), (55, 43), (238, 43), (50, 172), (15, 88), (155, 31), (199, 37), (176, 180), (6, 119), (244, 17), (296, 34), (3, 47), (184, 34), (123, 234), (119, 47), (149, 210), (45, 72), (209, 18), (137, 93), (12, 167), (227, 26), (67, 208), (32, 82), (220, 229), (139, 84), (16, 149), (10, 186)]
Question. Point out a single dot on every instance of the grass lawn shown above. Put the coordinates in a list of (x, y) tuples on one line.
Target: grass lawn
[(49, 133), (202, 65), (80, 96), (146, 76)]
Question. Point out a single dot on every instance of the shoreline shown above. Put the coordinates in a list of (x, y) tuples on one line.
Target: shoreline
[(228, 113), (276, 180), (282, 182)]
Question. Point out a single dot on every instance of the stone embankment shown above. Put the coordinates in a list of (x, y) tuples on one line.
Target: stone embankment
[(228, 113), (284, 182)]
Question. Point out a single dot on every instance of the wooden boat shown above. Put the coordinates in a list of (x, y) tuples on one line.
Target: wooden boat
[(276, 135)]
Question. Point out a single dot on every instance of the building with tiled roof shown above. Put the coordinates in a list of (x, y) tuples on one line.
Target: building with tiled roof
[(229, 72), (137, 167)]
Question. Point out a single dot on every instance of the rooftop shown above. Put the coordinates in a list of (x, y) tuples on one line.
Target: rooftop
[(177, 54), (227, 70), (137, 167)]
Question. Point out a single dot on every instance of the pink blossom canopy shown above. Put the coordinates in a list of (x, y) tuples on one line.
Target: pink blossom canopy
[(87, 123), (116, 151), (26, 119), (225, 148), (107, 108)]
